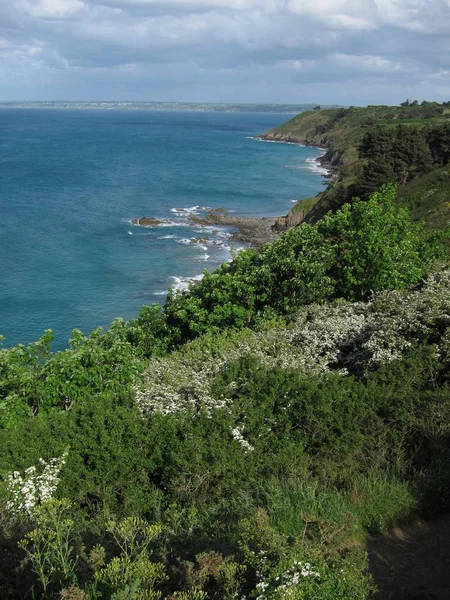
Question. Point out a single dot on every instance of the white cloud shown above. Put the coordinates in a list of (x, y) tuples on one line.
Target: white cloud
[(397, 43), (366, 63), (49, 9)]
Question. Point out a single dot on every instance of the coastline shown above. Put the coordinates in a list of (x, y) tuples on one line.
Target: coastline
[(252, 231), (278, 138), (256, 231)]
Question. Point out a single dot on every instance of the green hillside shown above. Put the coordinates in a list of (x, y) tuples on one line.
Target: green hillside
[(411, 143), (340, 130), (246, 440)]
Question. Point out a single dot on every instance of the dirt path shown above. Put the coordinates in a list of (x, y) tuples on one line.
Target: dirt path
[(412, 563)]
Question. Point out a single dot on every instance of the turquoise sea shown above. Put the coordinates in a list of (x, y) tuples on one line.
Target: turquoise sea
[(72, 180)]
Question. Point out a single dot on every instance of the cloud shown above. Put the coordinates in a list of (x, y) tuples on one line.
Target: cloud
[(250, 50)]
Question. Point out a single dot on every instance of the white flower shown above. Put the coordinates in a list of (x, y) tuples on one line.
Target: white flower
[(33, 489)]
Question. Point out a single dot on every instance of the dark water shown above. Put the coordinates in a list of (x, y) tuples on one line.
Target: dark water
[(71, 181)]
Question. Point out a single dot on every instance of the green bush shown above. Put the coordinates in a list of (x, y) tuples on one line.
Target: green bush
[(363, 248)]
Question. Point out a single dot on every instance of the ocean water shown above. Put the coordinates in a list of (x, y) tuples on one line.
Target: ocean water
[(72, 180)]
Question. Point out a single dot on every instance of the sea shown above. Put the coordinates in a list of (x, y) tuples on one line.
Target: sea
[(72, 181)]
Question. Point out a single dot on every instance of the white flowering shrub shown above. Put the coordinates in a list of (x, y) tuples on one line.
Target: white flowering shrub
[(343, 337), (288, 584), (36, 486), (237, 434), (324, 580)]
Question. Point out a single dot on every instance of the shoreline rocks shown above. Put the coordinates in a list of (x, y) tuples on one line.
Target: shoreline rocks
[(148, 222), (255, 231)]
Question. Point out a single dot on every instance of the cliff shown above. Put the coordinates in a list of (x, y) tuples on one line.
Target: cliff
[(340, 132)]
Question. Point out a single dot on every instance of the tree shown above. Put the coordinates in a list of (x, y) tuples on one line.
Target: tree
[(376, 246)]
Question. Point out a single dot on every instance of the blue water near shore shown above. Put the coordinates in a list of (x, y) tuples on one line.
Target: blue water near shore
[(71, 181)]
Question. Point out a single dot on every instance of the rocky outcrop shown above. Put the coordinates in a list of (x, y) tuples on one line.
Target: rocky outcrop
[(290, 220), (147, 221), (277, 136)]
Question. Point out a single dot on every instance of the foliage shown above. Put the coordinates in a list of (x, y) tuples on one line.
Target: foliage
[(49, 547), (132, 574), (34, 381), (34, 489), (104, 471), (376, 246), (363, 248), (399, 154), (309, 407)]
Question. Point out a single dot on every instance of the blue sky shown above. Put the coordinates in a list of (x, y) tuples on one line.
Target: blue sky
[(290, 51)]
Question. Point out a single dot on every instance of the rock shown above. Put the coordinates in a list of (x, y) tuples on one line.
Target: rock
[(290, 220), (147, 222)]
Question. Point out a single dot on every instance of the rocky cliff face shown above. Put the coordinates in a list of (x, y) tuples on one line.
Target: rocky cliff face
[(290, 220)]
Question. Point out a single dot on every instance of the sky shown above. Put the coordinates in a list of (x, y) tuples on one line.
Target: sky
[(264, 51)]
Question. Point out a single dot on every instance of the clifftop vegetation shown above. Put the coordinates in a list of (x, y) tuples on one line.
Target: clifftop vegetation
[(371, 146), (244, 441)]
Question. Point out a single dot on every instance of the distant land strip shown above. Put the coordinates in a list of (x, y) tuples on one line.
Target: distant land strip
[(175, 106)]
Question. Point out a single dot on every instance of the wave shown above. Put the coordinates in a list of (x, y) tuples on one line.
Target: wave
[(193, 210), (313, 165), (250, 137), (181, 284), (171, 224), (161, 293), (162, 223), (166, 237)]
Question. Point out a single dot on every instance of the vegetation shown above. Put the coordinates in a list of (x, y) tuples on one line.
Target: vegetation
[(372, 146), (242, 442)]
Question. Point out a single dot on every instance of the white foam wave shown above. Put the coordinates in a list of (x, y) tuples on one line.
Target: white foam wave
[(203, 256), (224, 234), (192, 210), (166, 237), (161, 293), (173, 224), (216, 230), (162, 223), (193, 242), (181, 284), (313, 165), (276, 142)]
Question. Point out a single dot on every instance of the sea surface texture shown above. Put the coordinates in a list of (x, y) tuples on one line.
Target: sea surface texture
[(71, 181)]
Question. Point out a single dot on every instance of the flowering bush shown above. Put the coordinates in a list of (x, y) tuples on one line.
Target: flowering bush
[(343, 337), (34, 488), (340, 578)]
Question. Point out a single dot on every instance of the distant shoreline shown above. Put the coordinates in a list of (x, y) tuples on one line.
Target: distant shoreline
[(289, 109)]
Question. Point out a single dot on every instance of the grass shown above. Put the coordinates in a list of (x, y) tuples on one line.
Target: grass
[(428, 198), (371, 504), (304, 206)]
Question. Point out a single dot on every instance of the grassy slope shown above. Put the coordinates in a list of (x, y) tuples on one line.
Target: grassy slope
[(428, 198), (340, 131)]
